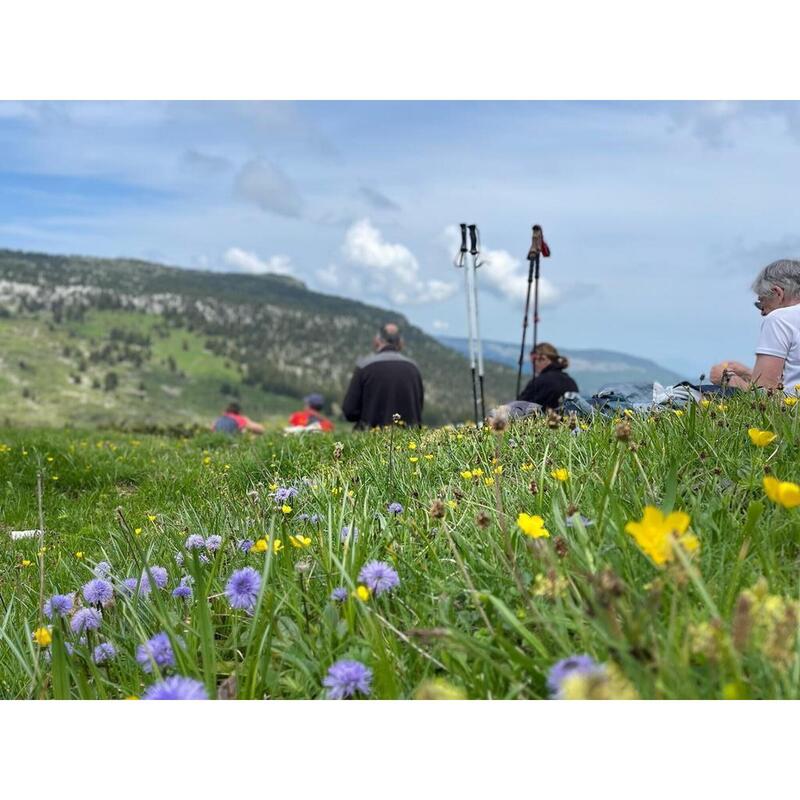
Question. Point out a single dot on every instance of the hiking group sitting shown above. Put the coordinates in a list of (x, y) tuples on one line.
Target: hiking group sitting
[(387, 385)]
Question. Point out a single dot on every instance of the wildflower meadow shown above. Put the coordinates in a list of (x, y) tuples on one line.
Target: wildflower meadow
[(642, 556)]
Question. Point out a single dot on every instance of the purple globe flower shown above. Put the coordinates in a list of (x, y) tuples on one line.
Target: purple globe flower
[(213, 543), (179, 559), (394, 508), (159, 578), (314, 519), (244, 545), (59, 605), (104, 652), (574, 665), (129, 585), (339, 594), (98, 592), (346, 678), (242, 588), (85, 619), (194, 542), (102, 569), (285, 493), (176, 688), (348, 533), (378, 577), (158, 649), (182, 592)]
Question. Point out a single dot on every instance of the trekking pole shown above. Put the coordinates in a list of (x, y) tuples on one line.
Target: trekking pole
[(461, 262), (474, 236), (538, 248)]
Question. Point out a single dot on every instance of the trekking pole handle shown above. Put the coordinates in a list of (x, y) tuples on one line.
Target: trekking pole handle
[(473, 239), (536, 242), (463, 237)]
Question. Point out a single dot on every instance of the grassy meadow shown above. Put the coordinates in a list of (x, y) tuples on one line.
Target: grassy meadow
[(502, 553)]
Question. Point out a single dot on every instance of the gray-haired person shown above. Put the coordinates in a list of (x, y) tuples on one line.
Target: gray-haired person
[(777, 289), (384, 384)]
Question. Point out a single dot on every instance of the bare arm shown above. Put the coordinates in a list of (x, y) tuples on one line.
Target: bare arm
[(766, 374), (253, 427)]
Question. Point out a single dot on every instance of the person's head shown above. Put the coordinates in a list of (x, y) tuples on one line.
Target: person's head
[(777, 286), (316, 402), (545, 355), (233, 408), (388, 336)]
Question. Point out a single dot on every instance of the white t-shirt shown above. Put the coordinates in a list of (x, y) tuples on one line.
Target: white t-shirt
[(780, 336)]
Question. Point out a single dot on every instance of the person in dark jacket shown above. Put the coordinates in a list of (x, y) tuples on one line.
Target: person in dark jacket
[(384, 384), (549, 380)]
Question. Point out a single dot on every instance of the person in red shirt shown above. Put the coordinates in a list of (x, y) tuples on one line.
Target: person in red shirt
[(233, 421), (311, 416)]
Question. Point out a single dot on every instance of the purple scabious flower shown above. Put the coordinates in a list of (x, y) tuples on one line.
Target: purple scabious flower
[(314, 519), (182, 592), (242, 588), (574, 665), (159, 578), (129, 585), (585, 521), (85, 619), (158, 649), (339, 594), (104, 652), (194, 542), (394, 508), (378, 577), (284, 493), (59, 605), (345, 678), (102, 569), (213, 543), (245, 544), (176, 688), (98, 592), (348, 533), (179, 558)]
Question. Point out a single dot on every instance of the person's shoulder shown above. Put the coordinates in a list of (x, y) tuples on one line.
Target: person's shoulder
[(789, 314), (384, 356)]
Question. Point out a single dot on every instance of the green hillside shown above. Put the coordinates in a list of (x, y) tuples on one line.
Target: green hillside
[(87, 341)]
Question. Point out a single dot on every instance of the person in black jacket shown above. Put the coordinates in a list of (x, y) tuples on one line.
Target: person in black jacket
[(549, 380), (384, 384)]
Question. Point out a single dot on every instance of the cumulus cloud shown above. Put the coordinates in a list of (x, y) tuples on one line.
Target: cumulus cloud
[(502, 274), (245, 261), (440, 325), (266, 186), (205, 163), (387, 270)]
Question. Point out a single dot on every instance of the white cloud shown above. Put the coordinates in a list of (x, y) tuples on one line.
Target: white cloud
[(440, 325), (245, 261), (269, 188), (502, 274), (385, 269)]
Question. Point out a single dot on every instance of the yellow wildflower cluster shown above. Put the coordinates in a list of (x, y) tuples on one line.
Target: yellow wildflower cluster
[(607, 683), (300, 541), (657, 534), (560, 474), (768, 622), (532, 525), (784, 493), (761, 438), (42, 637), (550, 585), (468, 474)]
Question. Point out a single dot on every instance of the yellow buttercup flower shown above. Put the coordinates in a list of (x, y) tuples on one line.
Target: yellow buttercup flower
[(277, 546), (761, 438), (560, 474), (273, 487), (705, 403), (286, 509), (677, 412), (476, 473), (151, 517), (790, 401), (489, 481), (452, 503), (784, 493), (207, 460), (498, 470), (413, 459), (42, 637), (428, 456), (259, 547), (300, 541), (532, 526), (137, 531), (412, 445), (526, 467), (656, 534), (362, 593), (79, 554), (25, 562), (466, 475)]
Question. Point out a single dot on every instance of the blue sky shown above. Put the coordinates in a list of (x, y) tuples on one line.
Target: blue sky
[(658, 214)]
